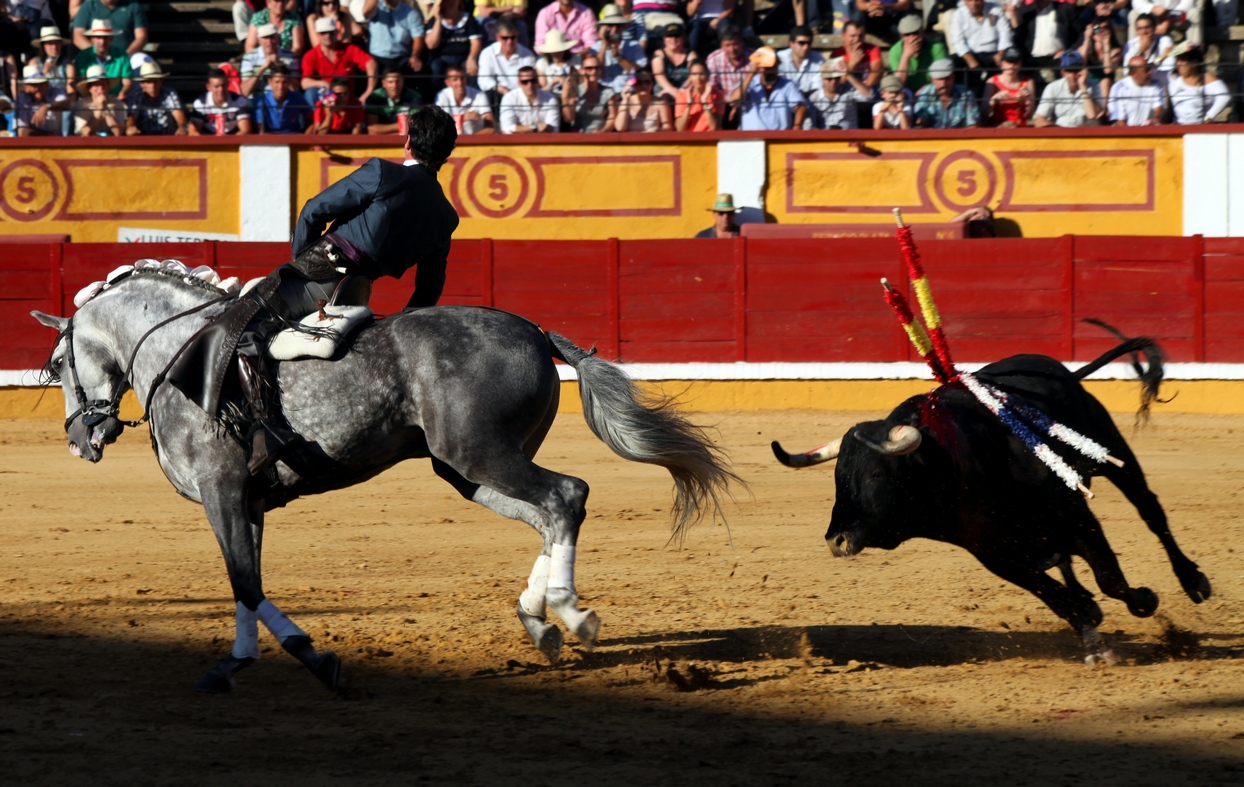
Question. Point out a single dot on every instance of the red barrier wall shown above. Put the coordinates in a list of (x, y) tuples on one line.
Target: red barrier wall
[(755, 299)]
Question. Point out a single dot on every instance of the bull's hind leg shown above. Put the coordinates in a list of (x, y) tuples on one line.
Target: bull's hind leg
[(1091, 544), (1130, 480), (553, 504)]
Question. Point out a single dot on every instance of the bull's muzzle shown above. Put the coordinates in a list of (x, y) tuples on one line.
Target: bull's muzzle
[(842, 544)]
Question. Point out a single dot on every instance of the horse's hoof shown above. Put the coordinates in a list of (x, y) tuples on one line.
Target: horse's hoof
[(550, 643), (588, 629), (1198, 587), (1106, 658), (328, 670), (216, 681), (1142, 602)]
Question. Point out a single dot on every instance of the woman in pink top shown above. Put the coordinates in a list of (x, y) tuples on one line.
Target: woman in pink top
[(640, 109), (700, 103)]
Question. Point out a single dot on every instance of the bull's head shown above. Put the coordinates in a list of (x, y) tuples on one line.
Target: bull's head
[(876, 504)]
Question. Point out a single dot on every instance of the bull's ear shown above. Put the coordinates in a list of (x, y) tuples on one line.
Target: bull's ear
[(58, 323)]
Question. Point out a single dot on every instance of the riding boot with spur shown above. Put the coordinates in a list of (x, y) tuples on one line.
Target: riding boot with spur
[(269, 438)]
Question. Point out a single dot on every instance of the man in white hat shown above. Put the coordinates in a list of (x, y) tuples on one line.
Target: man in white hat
[(575, 20), (153, 109), (104, 53), (95, 113), (619, 58), (723, 219), (39, 105), (257, 62), (127, 18)]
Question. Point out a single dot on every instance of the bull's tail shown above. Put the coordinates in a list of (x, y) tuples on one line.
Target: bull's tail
[(642, 428), (1150, 378)]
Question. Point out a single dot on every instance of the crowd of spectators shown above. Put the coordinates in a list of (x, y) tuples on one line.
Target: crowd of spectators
[(500, 66)]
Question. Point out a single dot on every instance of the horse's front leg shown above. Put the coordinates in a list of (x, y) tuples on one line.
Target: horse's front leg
[(239, 530)]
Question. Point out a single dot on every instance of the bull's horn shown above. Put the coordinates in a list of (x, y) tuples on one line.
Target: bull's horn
[(903, 440), (813, 457)]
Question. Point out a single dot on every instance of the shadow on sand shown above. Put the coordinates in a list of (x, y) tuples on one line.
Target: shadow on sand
[(86, 710)]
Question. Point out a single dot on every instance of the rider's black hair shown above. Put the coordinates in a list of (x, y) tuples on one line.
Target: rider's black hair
[(432, 136)]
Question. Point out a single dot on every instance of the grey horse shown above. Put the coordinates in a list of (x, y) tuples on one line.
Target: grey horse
[(475, 390)]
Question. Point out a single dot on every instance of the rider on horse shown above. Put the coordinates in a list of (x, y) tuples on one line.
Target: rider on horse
[(382, 219)]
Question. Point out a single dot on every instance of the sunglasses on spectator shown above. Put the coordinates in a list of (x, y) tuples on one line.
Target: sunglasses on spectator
[(589, 68), (506, 38), (526, 81), (804, 42)]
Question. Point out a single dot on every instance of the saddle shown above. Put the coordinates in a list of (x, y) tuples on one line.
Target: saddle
[(320, 333)]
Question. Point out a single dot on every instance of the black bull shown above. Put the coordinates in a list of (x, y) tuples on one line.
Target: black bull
[(941, 466)]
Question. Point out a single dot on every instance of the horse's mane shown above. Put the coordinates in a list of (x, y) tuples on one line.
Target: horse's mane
[(182, 278)]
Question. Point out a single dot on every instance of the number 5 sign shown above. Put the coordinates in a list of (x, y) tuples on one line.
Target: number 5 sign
[(28, 190), (965, 179)]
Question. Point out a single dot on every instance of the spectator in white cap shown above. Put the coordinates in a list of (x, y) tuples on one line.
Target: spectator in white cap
[(347, 28), (288, 26), (54, 60), (96, 113), (107, 55), (153, 109), (128, 19), (834, 103), (257, 62), (944, 104), (39, 105)]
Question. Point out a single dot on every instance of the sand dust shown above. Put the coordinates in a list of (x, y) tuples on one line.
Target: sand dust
[(748, 657)]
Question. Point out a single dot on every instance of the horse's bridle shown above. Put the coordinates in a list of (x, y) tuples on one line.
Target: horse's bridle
[(99, 410)]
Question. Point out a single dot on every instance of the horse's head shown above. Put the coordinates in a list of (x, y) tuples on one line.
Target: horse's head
[(92, 382)]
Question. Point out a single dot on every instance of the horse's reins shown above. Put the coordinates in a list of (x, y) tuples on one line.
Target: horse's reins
[(99, 410)]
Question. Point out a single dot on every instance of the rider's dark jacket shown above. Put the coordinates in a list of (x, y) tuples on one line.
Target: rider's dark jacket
[(396, 215)]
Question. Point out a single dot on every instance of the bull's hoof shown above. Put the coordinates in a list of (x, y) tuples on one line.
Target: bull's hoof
[(1197, 586), (328, 670), (1142, 602), (1106, 658)]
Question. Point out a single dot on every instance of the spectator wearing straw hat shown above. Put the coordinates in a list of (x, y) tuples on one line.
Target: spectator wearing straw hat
[(556, 61), (944, 104), (619, 58), (575, 20), (834, 104), (257, 62), (334, 58), (219, 110), (769, 101), (39, 105), (105, 54), (54, 59), (96, 113), (127, 18), (723, 219), (154, 110)]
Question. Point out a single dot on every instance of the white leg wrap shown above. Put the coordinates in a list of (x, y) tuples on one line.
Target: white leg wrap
[(277, 622), (532, 599), (246, 643), (561, 569)]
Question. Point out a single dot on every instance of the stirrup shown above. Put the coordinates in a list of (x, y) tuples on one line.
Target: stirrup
[(268, 445)]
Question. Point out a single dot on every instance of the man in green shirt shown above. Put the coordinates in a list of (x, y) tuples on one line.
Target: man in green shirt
[(113, 59), (388, 101), (129, 22), (911, 57)]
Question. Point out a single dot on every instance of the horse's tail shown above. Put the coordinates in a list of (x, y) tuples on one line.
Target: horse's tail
[(643, 428), (1150, 378)]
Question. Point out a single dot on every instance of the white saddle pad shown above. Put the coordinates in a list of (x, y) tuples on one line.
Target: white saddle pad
[(339, 322)]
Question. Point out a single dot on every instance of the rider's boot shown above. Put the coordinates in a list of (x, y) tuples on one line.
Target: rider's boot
[(269, 438)]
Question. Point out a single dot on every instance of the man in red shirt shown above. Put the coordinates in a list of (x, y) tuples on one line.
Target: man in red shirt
[(331, 59)]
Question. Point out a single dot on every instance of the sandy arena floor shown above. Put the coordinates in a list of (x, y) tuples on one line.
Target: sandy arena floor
[(762, 662)]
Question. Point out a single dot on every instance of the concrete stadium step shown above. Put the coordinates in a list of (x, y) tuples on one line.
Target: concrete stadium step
[(166, 30)]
